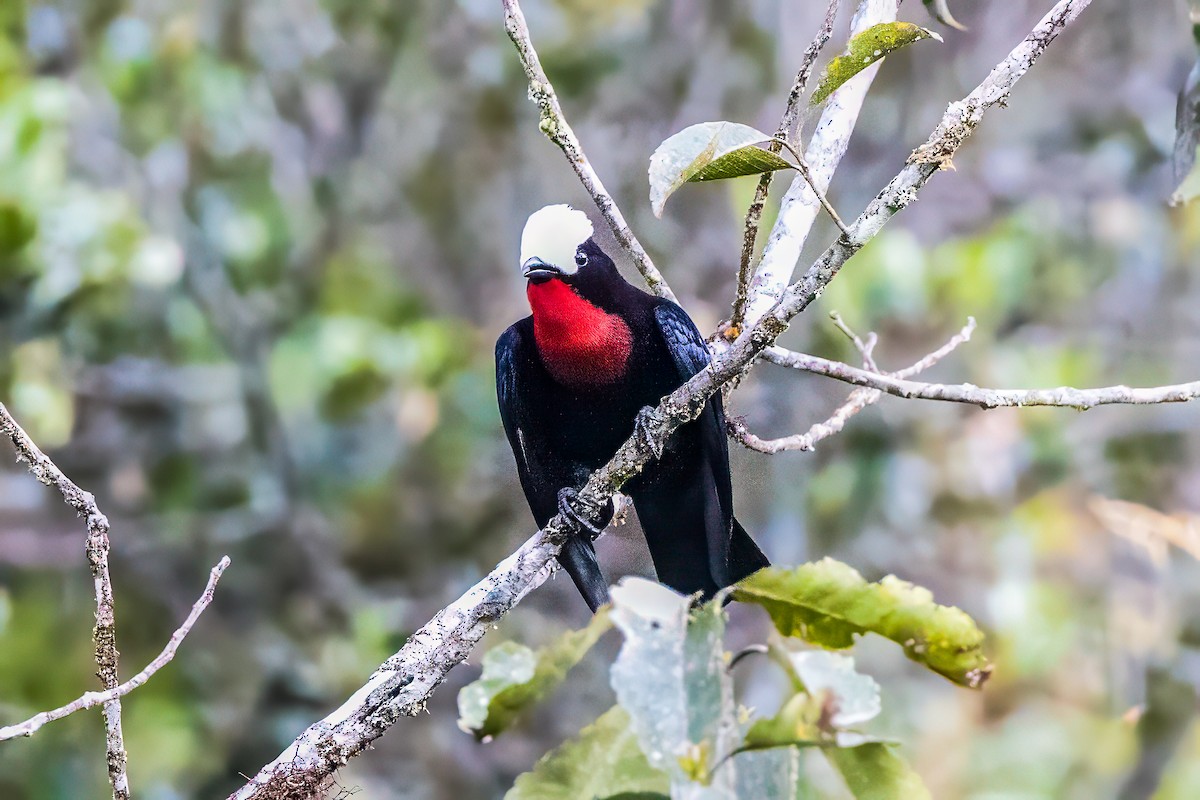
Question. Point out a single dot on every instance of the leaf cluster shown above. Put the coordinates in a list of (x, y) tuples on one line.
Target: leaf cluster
[(677, 729)]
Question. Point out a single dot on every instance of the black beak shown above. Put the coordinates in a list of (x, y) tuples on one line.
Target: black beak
[(537, 270)]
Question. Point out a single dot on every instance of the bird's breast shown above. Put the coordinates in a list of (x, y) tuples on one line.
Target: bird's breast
[(580, 344)]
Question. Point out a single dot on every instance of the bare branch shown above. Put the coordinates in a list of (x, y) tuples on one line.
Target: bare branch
[(93, 699), (406, 680), (784, 132), (1062, 396), (554, 124), (104, 635), (866, 349), (856, 402), (800, 206)]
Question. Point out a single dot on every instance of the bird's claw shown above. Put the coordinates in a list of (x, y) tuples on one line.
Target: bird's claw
[(645, 424), (580, 512)]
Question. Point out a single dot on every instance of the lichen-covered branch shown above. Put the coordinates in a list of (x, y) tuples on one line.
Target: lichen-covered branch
[(791, 113), (93, 699), (403, 684), (856, 402), (104, 634), (554, 124), (1062, 396), (800, 206)]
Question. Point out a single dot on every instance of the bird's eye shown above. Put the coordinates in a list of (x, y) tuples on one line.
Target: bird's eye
[(581, 259)]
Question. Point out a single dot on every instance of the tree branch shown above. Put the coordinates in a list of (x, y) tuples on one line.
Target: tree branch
[(856, 402), (403, 684), (554, 124), (104, 633), (1062, 396), (93, 699), (791, 113), (800, 206)]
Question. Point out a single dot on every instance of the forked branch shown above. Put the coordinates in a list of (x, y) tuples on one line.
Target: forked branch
[(93, 699), (856, 402)]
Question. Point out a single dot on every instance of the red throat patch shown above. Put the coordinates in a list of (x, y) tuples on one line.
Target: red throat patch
[(580, 344)]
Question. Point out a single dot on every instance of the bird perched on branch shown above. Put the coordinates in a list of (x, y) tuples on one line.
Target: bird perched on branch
[(578, 377)]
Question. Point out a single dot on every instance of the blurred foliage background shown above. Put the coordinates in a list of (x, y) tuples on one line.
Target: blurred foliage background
[(253, 258)]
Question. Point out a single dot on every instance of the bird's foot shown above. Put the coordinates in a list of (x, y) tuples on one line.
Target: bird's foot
[(580, 512), (645, 425)]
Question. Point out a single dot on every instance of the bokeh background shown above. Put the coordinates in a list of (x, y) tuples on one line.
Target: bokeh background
[(253, 258)]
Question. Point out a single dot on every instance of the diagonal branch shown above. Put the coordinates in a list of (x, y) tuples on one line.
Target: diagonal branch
[(403, 684), (93, 699), (554, 124), (104, 635)]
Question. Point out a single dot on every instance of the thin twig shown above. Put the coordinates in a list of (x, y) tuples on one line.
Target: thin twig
[(93, 699), (802, 168), (104, 634), (1060, 397), (403, 684), (791, 113), (865, 348), (856, 402), (554, 124)]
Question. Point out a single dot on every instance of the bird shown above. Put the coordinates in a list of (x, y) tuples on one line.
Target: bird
[(579, 376)]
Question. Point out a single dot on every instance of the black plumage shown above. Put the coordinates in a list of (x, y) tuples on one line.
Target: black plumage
[(568, 400)]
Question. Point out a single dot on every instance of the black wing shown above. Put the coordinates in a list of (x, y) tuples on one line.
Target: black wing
[(691, 355), (519, 378), (517, 384), (731, 553)]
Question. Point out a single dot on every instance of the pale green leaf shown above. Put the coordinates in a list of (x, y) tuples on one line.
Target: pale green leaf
[(864, 50), (856, 696), (515, 678), (828, 603), (769, 774), (875, 771), (708, 151), (1187, 140), (603, 761), (670, 676), (796, 725)]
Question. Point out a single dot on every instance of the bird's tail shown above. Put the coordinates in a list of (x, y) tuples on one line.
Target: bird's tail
[(578, 557), (744, 556)]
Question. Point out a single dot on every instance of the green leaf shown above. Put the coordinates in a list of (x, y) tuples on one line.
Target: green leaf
[(17, 228), (875, 771), (864, 50), (940, 10), (603, 761), (708, 151), (515, 678), (1187, 140), (796, 725), (828, 603)]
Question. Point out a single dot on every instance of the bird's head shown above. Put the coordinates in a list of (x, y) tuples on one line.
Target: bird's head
[(557, 245)]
